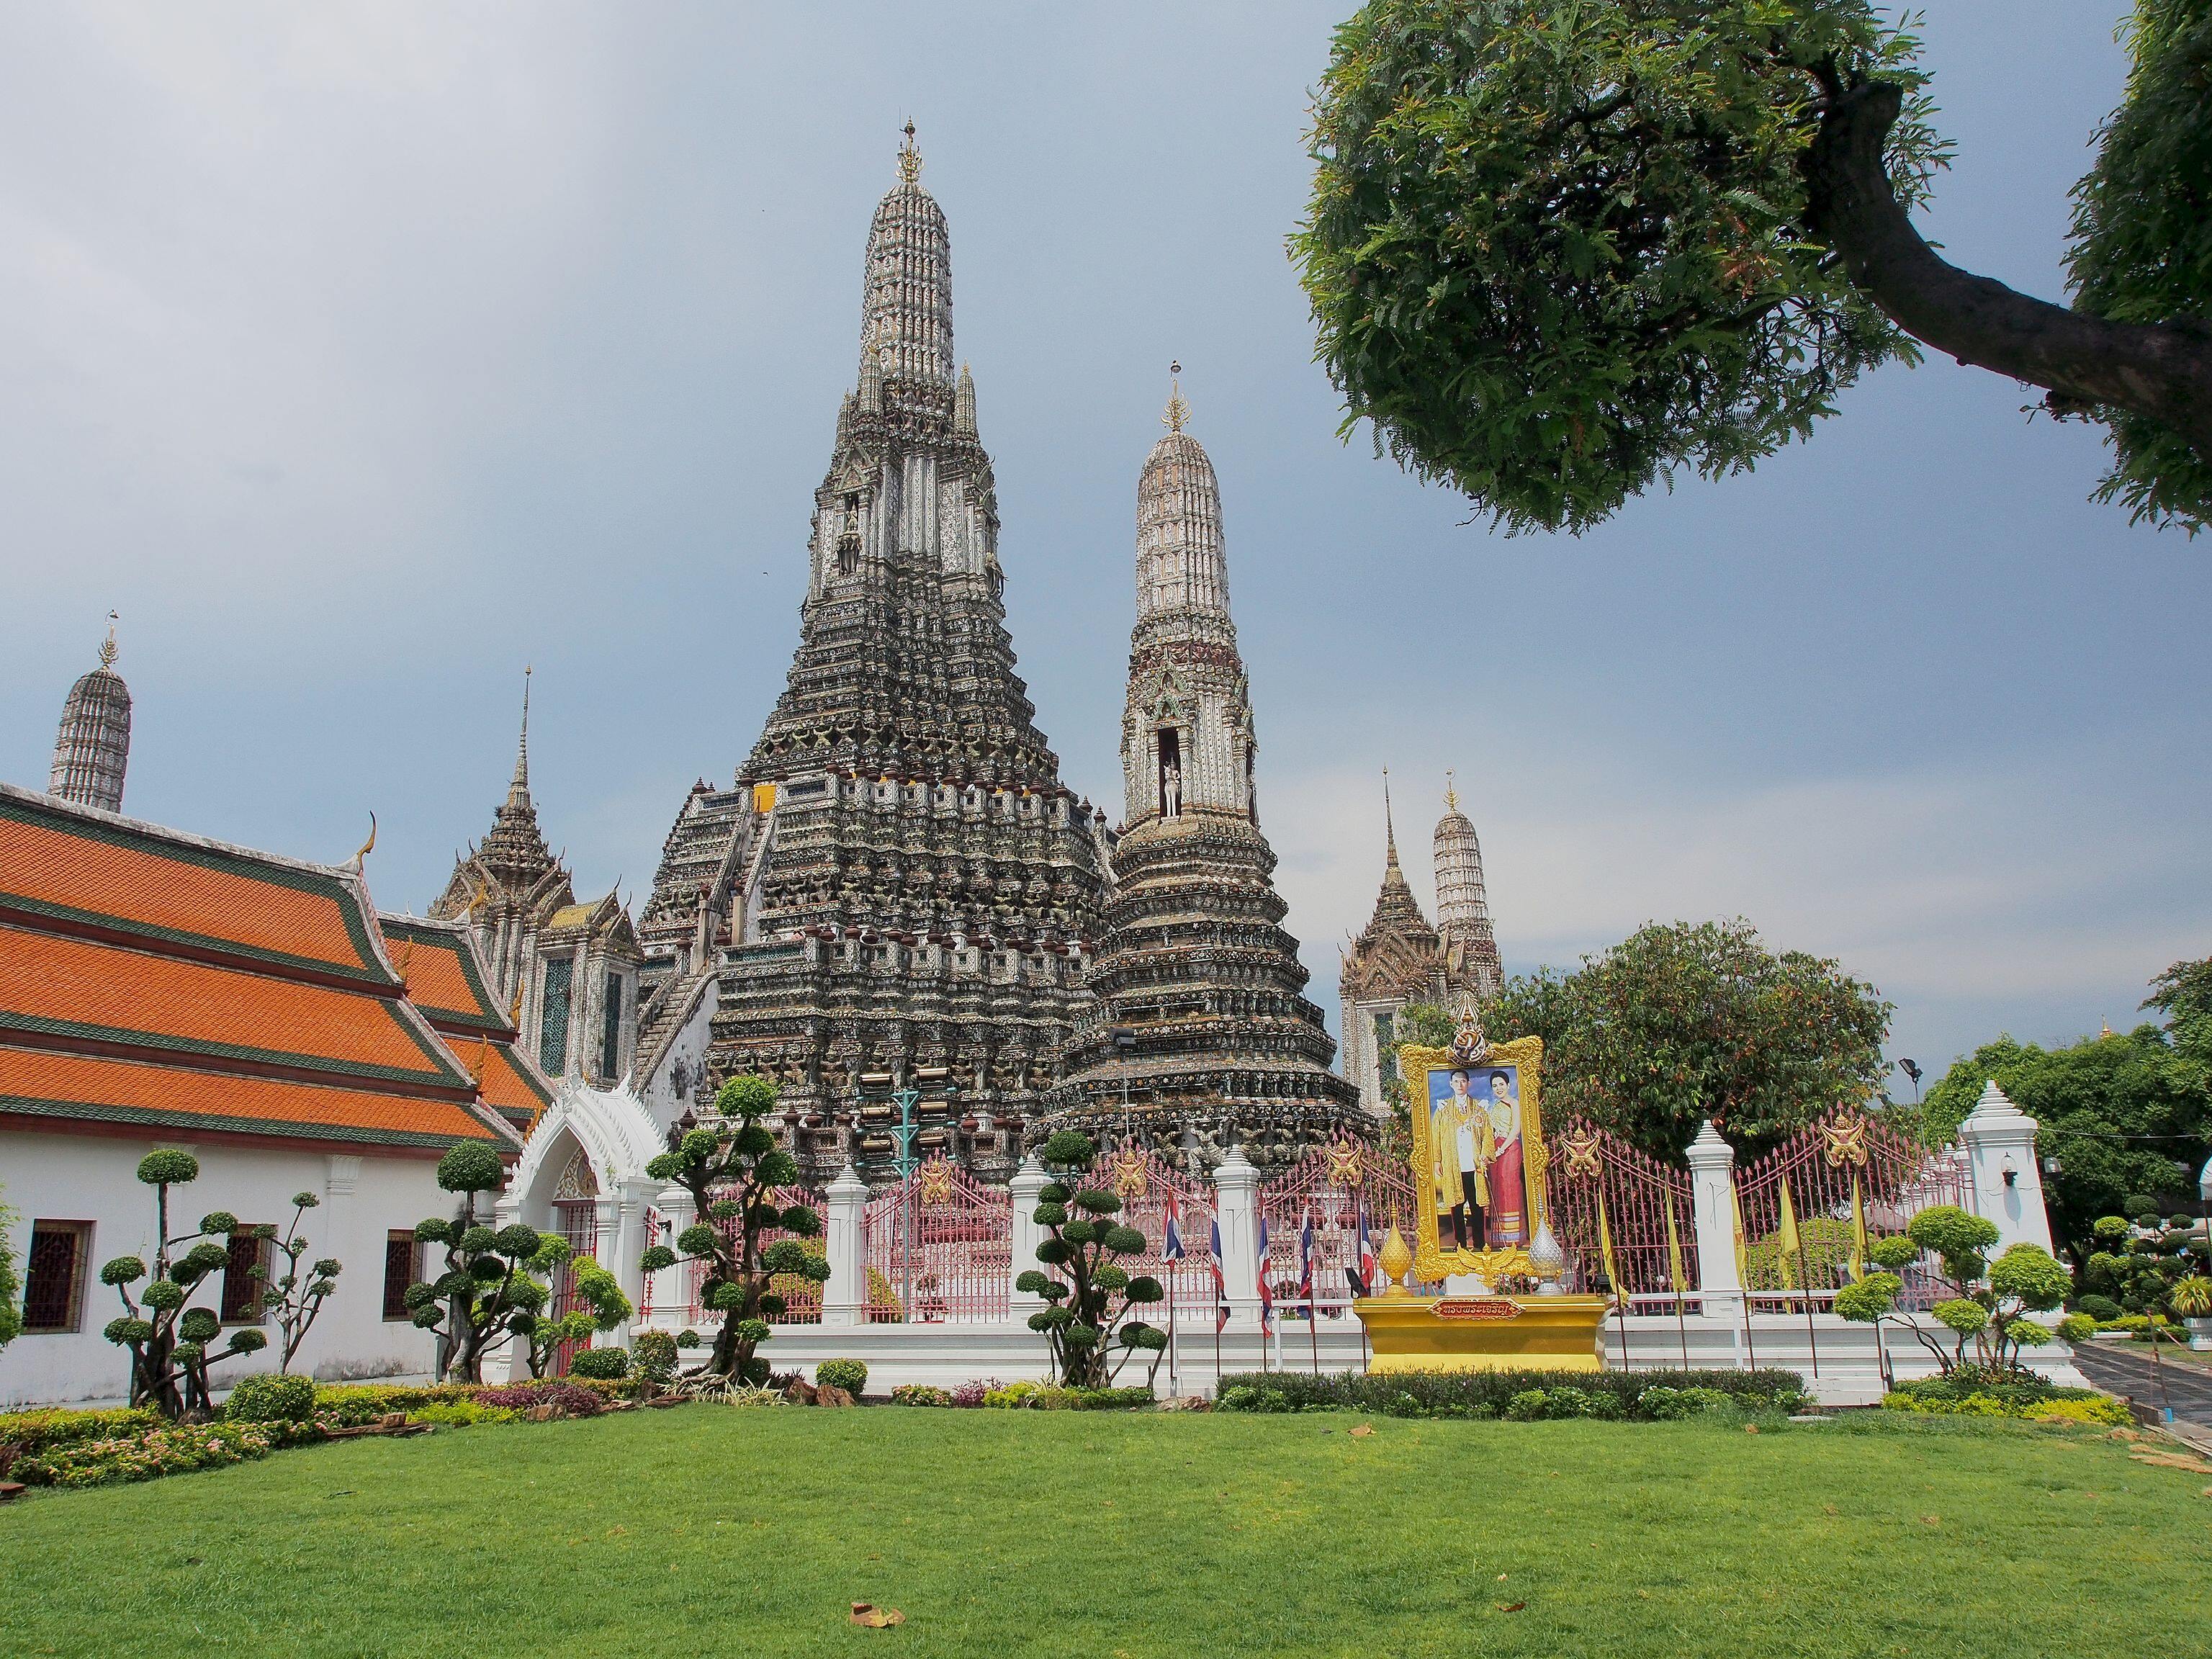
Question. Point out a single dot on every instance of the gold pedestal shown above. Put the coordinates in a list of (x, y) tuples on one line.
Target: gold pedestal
[(1483, 1332)]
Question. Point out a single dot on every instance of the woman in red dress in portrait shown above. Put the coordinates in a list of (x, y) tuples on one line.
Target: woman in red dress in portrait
[(1508, 1221)]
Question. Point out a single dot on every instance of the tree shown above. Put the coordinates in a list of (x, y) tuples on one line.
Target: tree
[(2139, 1265), (166, 1336), (603, 1307), (295, 1298), (1090, 1294), (11, 1286), (2122, 1114), (475, 1305), (732, 1171), (1559, 249), (1677, 1023), (1995, 1298), (2183, 994)]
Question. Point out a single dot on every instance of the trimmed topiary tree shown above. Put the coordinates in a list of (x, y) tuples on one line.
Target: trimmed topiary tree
[(295, 1298), (601, 1364), (166, 1336), (850, 1375), (1091, 1294), (1996, 1296), (731, 1169), (271, 1398), (474, 1305), (604, 1305), (654, 1353)]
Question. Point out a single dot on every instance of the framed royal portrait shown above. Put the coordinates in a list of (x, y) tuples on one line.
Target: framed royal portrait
[(1478, 1156)]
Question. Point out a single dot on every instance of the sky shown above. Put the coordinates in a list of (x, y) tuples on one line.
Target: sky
[(360, 354)]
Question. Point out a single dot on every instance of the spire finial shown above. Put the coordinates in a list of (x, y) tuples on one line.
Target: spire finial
[(1451, 791), (909, 158), (107, 652), (1178, 411), (522, 749), (1389, 828)]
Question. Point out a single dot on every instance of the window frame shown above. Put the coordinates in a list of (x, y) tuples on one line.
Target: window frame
[(394, 1235), (260, 1233), (80, 1272)]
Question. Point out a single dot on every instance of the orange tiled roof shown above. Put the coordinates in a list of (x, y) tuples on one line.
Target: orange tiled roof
[(508, 1083), (177, 889), (39, 1082), (97, 993), (151, 977), (442, 973)]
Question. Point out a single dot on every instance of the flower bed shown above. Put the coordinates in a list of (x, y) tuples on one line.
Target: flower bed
[(149, 1453), (1970, 1393), (1518, 1395)]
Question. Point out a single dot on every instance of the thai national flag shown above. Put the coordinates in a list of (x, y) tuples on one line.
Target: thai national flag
[(1362, 1273), (1171, 1248), (1220, 1282), (1267, 1290), (1306, 1262)]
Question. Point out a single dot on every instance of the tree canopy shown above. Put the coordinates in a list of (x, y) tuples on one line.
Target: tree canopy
[(2126, 1114), (1558, 249), (1677, 1023)]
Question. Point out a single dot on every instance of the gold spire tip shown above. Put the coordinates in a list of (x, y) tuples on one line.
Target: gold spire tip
[(1451, 791), (1178, 411), (107, 648), (909, 158)]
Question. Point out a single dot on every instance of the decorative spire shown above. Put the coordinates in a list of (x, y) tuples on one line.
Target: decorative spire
[(1462, 903), (909, 158), (906, 317), (92, 749), (1178, 411), (1181, 567), (1451, 791), (521, 784), (963, 403), (1389, 828)]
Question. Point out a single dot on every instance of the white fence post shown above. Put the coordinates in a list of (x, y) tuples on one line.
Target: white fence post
[(1237, 1212), (2007, 1181), (1028, 1182), (672, 1286), (1712, 1204), (845, 1298)]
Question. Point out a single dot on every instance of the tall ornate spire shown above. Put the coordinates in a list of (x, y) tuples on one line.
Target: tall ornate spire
[(1462, 905), (906, 313), (515, 851), (1181, 568), (93, 748), (520, 786)]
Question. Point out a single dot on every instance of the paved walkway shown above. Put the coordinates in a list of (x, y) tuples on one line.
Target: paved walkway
[(2123, 1369)]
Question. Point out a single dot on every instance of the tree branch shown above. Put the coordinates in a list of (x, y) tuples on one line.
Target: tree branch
[(2162, 372)]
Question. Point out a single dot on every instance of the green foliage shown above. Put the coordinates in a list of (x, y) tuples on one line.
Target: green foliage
[(33, 1432), (472, 1167), (654, 1352), (1677, 1023), (1520, 1396), (1092, 1335), (168, 1167), (2126, 1115), (294, 1296), (1558, 249), (2143, 241), (1970, 1391), (600, 1307), (603, 1364), (850, 1375), (11, 1287), (142, 1456), (2077, 1328), (266, 1398), (919, 1394)]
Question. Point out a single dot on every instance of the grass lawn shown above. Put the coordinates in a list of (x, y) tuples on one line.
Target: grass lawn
[(709, 1531)]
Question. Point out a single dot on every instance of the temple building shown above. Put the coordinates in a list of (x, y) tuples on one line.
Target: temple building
[(896, 885), (1399, 958), (1201, 1037), (566, 973), (93, 748)]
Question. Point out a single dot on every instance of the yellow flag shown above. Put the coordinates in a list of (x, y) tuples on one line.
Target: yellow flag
[(1674, 1252), (1742, 1244), (1605, 1250), (1858, 1232), (1788, 1243)]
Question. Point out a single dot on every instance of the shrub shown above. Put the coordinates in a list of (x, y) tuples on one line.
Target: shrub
[(969, 1395), (34, 1431), (1013, 1396), (1522, 1395), (461, 1414), (2077, 1328), (601, 1364), (919, 1394), (1975, 1392), (850, 1375), (654, 1352), (279, 1398), (350, 1405), (172, 1450), (2102, 1309), (568, 1399)]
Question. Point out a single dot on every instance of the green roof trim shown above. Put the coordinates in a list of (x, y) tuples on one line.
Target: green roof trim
[(216, 943), (31, 1107), (159, 1043)]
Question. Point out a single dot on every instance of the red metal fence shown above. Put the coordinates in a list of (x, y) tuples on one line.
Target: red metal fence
[(941, 1246), (1601, 1191), (1848, 1179), (1334, 1187)]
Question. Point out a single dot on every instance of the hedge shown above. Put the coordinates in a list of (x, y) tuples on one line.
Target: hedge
[(1502, 1394)]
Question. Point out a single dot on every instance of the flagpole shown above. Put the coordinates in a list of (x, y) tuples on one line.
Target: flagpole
[(1743, 1275), (1175, 1377)]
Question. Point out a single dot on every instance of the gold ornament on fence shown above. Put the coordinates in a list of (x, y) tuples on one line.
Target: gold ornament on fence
[(1847, 1142), (1342, 1159), (933, 1184), (1395, 1260), (1131, 1179), (1579, 1147)]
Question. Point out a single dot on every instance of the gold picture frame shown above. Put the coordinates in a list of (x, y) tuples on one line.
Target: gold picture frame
[(1436, 1259)]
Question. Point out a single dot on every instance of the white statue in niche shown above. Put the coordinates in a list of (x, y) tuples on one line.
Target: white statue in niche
[(1170, 790)]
